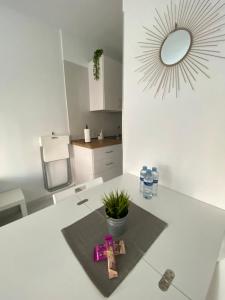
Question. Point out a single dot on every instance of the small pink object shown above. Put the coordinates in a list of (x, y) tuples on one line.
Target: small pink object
[(112, 269), (100, 249), (100, 252), (109, 240)]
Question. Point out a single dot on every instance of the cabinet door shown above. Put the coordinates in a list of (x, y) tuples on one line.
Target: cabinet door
[(96, 87), (83, 164), (112, 84)]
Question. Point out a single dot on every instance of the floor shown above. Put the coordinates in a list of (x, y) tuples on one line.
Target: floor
[(36, 205), (14, 213)]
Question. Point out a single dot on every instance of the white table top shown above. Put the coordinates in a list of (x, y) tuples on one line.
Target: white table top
[(36, 262), (189, 245)]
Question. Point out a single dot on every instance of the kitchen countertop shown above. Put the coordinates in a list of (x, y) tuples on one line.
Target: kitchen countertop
[(95, 143)]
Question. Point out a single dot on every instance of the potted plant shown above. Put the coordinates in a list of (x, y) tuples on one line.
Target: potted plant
[(116, 208), (96, 64)]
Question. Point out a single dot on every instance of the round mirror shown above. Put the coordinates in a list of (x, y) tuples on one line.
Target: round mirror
[(175, 47)]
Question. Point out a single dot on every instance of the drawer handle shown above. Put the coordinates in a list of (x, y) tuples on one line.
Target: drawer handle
[(109, 164), (80, 189), (109, 151), (82, 202)]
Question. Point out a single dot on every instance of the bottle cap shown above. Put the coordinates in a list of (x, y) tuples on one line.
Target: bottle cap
[(154, 169), (144, 167)]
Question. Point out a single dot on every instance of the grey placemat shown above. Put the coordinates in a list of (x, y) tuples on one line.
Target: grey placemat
[(143, 228)]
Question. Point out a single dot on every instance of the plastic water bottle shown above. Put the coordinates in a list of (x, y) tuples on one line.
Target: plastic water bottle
[(148, 183), (142, 176), (155, 174)]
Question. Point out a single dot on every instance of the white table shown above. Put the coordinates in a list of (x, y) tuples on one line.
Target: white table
[(36, 262), (13, 198), (190, 244)]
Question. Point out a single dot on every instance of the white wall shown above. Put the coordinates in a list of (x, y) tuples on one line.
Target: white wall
[(76, 50), (32, 98), (80, 51), (77, 89), (185, 137)]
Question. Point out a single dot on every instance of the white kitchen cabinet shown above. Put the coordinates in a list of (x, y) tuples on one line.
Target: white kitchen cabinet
[(105, 162), (106, 92)]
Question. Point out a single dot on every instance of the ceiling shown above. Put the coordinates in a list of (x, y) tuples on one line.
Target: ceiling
[(99, 21)]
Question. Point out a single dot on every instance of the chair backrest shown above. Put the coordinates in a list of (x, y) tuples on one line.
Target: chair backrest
[(222, 250), (57, 197), (217, 287)]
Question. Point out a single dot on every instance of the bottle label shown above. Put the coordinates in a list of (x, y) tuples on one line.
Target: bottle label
[(155, 181), (148, 183)]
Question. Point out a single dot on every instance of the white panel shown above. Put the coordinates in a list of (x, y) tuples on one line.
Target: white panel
[(189, 245), (32, 99), (110, 152), (106, 92), (112, 84), (184, 136), (104, 162), (96, 87), (83, 166), (217, 288), (109, 173), (40, 246), (107, 164), (54, 147), (57, 172)]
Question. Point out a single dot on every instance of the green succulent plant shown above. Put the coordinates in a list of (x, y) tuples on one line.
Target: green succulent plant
[(96, 67), (116, 204)]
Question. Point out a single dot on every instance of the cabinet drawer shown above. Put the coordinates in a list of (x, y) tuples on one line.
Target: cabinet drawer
[(106, 164), (110, 173), (111, 152)]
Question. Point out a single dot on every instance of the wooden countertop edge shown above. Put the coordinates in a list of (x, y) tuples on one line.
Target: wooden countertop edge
[(97, 143)]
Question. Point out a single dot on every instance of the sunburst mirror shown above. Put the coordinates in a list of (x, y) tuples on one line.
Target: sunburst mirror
[(178, 47)]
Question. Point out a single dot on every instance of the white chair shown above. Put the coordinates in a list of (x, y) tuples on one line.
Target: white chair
[(217, 287), (13, 198), (57, 197)]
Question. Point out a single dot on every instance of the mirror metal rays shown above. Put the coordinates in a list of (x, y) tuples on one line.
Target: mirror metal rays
[(178, 47)]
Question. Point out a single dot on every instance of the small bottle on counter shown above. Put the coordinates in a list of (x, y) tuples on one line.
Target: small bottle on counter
[(87, 134), (148, 182), (155, 174), (142, 176), (101, 136)]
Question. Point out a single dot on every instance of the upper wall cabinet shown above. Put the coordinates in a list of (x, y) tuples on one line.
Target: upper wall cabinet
[(106, 92)]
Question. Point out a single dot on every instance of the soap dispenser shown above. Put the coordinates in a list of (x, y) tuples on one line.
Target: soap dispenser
[(101, 136)]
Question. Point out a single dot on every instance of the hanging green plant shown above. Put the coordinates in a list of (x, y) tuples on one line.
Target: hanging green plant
[(96, 68)]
